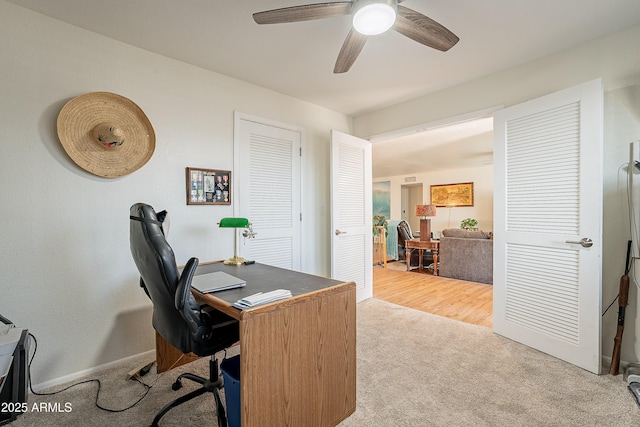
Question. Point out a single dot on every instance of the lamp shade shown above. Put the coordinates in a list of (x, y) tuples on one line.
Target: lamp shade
[(425, 210), (234, 223)]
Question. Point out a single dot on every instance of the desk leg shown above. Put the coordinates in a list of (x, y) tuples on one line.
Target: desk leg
[(435, 262), (169, 357), (407, 258), (384, 252), (419, 259)]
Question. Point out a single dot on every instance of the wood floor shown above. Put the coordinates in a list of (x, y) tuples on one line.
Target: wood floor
[(468, 302)]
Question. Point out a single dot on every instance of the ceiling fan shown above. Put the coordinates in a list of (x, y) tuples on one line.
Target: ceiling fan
[(370, 17)]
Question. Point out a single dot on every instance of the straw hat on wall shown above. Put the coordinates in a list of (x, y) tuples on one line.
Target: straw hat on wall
[(106, 134)]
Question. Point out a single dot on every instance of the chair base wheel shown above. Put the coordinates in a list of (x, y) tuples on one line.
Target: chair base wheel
[(213, 384)]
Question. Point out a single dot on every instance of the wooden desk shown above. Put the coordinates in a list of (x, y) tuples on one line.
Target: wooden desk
[(420, 245), (298, 355)]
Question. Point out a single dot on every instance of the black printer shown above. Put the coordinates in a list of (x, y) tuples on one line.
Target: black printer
[(14, 372)]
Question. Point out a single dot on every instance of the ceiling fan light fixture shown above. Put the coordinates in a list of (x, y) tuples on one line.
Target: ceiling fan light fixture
[(371, 17)]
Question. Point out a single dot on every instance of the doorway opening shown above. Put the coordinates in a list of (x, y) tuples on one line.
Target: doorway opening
[(459, 149), (410, 196)]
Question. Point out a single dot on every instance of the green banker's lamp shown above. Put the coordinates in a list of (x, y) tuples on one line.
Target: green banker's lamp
[(237, 223)]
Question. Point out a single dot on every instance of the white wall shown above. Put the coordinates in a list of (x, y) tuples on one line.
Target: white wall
[(615, 58), (482, 210), (67, 273), (621, 127)]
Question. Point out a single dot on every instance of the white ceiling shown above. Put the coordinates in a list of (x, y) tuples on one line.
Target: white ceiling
[(460, 145), (297, 59)]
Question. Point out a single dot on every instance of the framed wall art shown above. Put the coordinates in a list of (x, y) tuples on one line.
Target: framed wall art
[(208, 187), (381, 192), (452, 195)]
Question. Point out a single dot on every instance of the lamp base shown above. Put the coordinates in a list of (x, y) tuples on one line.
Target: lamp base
[(425, 230), (235, 260)]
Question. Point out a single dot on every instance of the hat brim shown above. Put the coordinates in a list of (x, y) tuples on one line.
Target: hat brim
[(83, 113)]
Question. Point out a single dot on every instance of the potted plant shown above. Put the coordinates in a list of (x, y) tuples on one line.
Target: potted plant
[(469, 224), (380, 221)]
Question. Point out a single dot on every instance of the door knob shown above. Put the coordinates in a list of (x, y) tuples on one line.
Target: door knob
[(338, 232), (585, 242)]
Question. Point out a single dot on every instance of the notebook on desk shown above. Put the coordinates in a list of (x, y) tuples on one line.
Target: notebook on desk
[(216, 281)]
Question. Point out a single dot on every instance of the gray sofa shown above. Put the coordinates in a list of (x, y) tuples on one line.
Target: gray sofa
[(466, 255)]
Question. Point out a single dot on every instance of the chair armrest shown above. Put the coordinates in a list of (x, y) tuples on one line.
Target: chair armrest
[(183, 295)]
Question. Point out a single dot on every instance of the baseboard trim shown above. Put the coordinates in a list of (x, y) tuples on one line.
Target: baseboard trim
[(74, 376)]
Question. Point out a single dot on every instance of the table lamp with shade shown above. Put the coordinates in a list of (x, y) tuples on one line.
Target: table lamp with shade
[(425, 223), (237, 223)]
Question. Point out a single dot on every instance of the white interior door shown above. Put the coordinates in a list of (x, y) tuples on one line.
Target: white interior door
[(404, 203), (351, 211), (548, 195), (267, 185)]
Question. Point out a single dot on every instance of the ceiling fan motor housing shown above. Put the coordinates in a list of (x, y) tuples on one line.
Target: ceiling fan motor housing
[(371, 17)]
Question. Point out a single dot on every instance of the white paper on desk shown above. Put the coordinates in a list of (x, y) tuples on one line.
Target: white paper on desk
[(262, 298)]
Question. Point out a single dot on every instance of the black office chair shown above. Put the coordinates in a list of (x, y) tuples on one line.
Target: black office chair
[(404, 234), (177, 317)]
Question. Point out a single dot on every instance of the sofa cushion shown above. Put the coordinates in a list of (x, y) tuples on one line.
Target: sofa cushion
[(466, 259), (458, 232)]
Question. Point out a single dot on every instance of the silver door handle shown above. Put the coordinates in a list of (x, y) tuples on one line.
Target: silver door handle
[(338, 232), (585, 242)]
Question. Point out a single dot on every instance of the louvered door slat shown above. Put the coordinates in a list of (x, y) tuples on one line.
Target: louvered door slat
[(536, 160), (269, 184)]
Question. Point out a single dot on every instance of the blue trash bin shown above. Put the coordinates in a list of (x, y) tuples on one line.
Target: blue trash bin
[(231, 376)]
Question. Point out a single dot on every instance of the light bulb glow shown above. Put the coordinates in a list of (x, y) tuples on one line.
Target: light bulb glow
[(374, 19)]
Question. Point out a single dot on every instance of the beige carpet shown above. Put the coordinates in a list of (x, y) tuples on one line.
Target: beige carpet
[(414, 369)]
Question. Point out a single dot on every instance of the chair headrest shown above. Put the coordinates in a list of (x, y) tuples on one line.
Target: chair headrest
[(146, 214)]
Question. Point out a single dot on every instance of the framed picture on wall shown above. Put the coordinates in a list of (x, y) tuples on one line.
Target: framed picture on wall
[(208, 186), (452, 195), (382, 198)]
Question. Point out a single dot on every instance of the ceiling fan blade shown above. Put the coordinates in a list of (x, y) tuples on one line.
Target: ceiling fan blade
[(423, 29), (305, 12), (349, 52)]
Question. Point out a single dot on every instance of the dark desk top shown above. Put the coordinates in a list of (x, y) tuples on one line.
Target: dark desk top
[(265, 278)]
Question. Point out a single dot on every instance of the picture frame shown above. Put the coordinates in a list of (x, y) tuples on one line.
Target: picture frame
[(381, 195), (452, 195), (208, 186)]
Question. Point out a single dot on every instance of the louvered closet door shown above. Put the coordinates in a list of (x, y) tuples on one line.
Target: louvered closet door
[(267, 161), (351, 207), (548, 193)]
